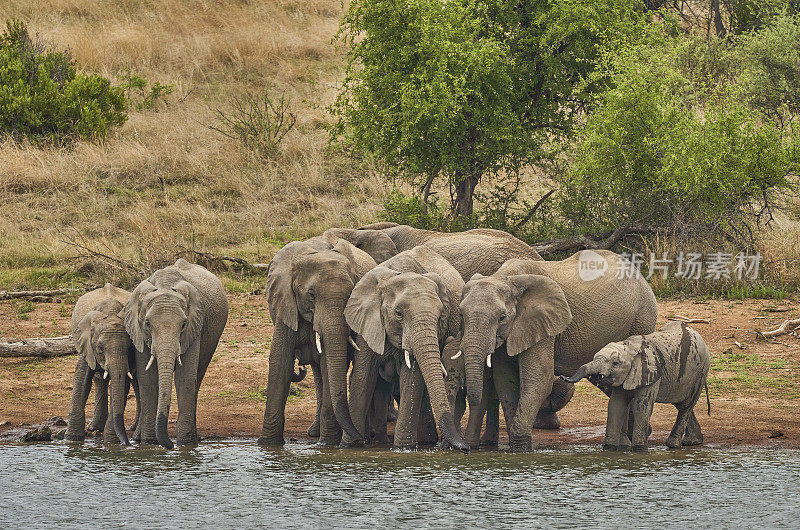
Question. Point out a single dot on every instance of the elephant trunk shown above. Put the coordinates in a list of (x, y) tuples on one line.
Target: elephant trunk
[(335, 332), (590, 368), (119, 393), (425, 347), (478, 343), (362, 387), (166, 352), (81, 386)]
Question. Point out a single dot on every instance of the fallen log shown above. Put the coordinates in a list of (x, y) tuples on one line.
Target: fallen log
[(789, 326), (38, 296), (604, 241), (38, 347), (689, 320)]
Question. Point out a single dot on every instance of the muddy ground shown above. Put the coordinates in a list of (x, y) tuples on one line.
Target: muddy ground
[(755, 386)]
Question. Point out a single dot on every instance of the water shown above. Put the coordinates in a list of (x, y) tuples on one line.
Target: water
[(237, 483)]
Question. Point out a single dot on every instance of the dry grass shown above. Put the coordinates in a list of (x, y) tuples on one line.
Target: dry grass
[(165, 180)]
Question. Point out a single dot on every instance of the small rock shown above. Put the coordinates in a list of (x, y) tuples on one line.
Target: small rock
[(38, 434), (775, 434), (57, 421), (59, 435), (5, 423)]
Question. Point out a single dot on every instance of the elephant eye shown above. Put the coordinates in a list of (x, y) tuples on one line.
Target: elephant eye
[(615, 363), (399, 313), (503, 317)]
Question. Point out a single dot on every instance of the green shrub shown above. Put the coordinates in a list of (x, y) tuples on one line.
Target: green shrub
[(43, 97), (137, 93)]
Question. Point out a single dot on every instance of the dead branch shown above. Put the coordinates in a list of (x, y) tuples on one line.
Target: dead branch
[(688, 320), (210, 260), (37, 296), (110, 260), (602, 241), (789, 326), (531, 213), (38, 347)]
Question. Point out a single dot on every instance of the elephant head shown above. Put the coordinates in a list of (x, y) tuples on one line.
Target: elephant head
[(100, 338), (313, 280), (166, 318), (372, 241), (518, 310), (631, 364), (413, 312)]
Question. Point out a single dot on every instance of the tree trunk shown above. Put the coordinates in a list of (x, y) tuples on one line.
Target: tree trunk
[(718, 26), (465, 190), (38, 347)]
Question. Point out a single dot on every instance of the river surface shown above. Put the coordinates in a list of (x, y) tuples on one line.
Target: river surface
[(238, 484)]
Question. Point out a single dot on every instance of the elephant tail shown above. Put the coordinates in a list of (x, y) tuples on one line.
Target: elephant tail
[(708, 401)]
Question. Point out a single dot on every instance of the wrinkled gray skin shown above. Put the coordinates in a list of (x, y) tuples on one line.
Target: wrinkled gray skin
[(372, 383), (410, 303), (308, 285), (481, 250), (175, 317), (667, 366), (104, 347), (550, 320)]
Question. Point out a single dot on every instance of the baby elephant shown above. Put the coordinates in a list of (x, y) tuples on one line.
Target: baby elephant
[(666, 366)]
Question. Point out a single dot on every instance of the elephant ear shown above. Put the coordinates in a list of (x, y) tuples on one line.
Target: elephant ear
[(194, 314), (645, 366), (82, 336), (134, 314), (450, 320), (542, 311), (363, 310), (282, 301), (360, 262)]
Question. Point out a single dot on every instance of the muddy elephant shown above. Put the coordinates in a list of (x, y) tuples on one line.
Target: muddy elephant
[(105, 356), (552, 316), (481, 250), (667, 366), (175, 319), (308, 285), (408, 306)]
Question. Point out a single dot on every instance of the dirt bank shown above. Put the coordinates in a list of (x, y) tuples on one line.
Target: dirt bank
[(755, 390)]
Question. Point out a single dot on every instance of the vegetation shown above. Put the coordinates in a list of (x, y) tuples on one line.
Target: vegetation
[(43, 97)]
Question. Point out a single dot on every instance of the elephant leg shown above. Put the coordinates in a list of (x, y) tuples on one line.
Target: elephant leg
[(135, 425), (617, 419), (460, 407), (81, 386), (491, 432), (694, 435), (148, 390), (380, 403), (330, 433), (109, 433), (186, 383), (559, 397), (641, 407), (363, 381), (412, 386), (427, 434), (100, 416), (536, 382), (313, 429), (505, 385), (391, 413), (281, 366), (676, 435)]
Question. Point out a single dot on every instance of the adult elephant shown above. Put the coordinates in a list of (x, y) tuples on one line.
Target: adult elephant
[(480, 251), (409, 304), (105, 355), (175, 319), (550, 316), (308, 285)]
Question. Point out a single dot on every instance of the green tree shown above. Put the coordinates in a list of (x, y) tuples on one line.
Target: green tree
[(458, 91)]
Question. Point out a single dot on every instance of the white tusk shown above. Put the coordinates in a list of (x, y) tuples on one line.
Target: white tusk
[(105, 375), (319, 344), (150, 363), (353, 343), (180, 363), (489, 360), (408, 358), (444, 371), (456, 356), (130, 376)]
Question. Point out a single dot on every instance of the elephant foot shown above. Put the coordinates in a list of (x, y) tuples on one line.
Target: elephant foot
[(313, 429), (189, 439), (350, 442), (692, 440), (520, 444), (673, 442), (391, 416), (94, 427), (271, 441), (73, 437), (547, 420), (133, 426), (137, 437), (329, 441), (639, 448), (489, 439), (146, 440), (380, 439)]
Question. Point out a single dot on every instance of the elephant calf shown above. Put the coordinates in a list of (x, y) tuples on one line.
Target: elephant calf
[(666, 366)]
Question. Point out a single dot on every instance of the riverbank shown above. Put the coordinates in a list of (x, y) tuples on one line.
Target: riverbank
[(754, 386)]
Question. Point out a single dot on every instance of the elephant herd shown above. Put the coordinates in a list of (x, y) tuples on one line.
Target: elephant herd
[(439, 322)]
